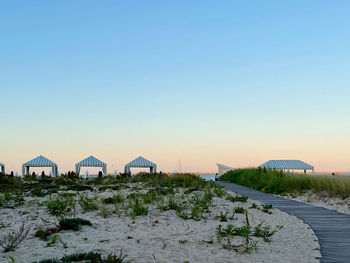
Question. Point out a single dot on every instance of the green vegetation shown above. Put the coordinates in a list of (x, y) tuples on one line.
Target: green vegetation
[(88, 203), (91, 257), (137, 209), (11, 241), (239, 210), (73, 223), (278, 182), (60, 205), (237, 198)]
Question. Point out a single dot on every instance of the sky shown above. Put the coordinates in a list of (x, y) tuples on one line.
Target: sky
[(204, 82)]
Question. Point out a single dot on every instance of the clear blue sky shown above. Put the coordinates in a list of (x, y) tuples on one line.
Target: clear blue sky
[(238, 82)]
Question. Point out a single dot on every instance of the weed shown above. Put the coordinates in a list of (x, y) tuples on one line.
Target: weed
[(105, 211), (181, 213), (73, 223), (222, 217), (183, 241), (264, 232), (91, 257), (60, 206), (266, 208), (254, 206), (43, 234), (219, 190), (237, 198), (137, 209), (239, 210), (88, 203), (13, 239)]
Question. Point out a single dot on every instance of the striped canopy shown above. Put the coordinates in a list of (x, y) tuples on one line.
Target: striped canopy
[(91, 161), (141, 162), (39, 161), (287, 165)]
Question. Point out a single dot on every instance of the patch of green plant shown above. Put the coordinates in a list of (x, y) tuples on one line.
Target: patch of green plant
[(90, 257), (117, 198), (254, 206), (222, 217), (87, 203), (105, 211), (138, 209), (239, 210), (183, 241), (43, 234), (60, 205), (267, 208), (12, 240), (219, 190), (73, 223), (278, 182), (265, 232), (237, 198)]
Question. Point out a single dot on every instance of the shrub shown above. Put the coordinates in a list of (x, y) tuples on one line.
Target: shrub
[(105, 211), (43, 234), (88, 203), (264, 232), (91, 257), (12, 240), (61, 205), (73, 223), (278, 182), (239, 210), (237, 198), (137, 209)]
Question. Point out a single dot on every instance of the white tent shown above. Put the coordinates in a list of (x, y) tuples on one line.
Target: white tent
[(39, 161), (140, 162), (91, 162)]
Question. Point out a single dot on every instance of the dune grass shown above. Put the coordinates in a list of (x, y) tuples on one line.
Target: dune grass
[(278, 182)]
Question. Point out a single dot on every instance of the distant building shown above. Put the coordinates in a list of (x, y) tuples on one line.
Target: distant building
[(223, 169), (288, 165)]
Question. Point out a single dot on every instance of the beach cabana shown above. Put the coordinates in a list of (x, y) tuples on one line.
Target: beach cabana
[(91, 162), (287, 165), (140, 162), (39, 161), (2, 166)]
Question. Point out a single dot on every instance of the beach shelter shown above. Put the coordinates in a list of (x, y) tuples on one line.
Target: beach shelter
[(2, 166), (288, 165), (223, 168), (140, 162), (39, 161), (91, 162)]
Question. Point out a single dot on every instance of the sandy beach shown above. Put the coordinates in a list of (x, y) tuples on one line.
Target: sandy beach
[(342, 205), (161, 236)]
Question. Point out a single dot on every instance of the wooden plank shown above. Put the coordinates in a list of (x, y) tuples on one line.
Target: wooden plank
[(331, 227)]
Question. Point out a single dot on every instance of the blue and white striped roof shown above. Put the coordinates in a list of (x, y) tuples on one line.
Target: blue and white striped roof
[(40, 161), (91, 162), (287, 164), (1, 165), (140, 162)]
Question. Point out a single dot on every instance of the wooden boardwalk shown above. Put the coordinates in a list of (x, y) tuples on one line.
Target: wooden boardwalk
[(331, 227)]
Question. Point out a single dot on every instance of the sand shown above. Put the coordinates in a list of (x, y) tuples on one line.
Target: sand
[(323, 200), (155, 237)]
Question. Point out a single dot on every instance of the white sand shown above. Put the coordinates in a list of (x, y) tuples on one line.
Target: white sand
[(155, 237), (323, 200)]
